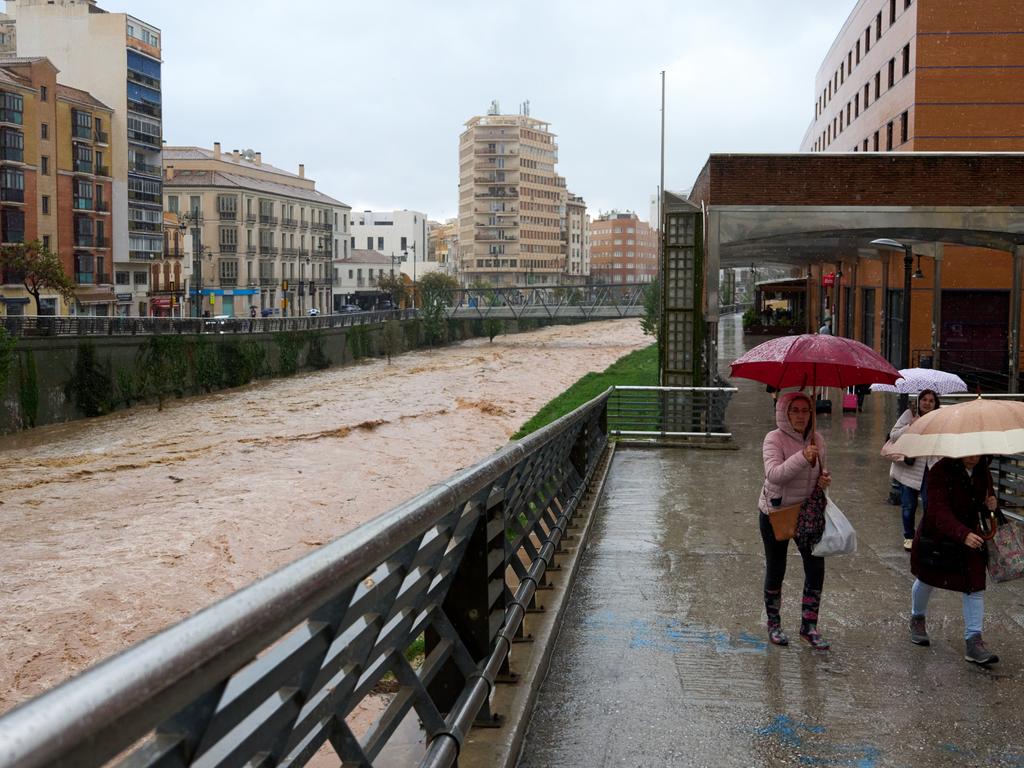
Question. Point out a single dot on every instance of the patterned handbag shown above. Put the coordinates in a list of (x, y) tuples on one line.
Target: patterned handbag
[(1006, 553), (810, 523)]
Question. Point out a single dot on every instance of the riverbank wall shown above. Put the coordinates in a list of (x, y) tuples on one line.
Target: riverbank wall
[(53, 379)]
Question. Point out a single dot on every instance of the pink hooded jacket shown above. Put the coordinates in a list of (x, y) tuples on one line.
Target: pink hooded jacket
[(787, 473)]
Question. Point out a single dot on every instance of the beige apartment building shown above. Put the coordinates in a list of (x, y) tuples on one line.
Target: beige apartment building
[(116, 58), (444, 244), (263, 239), (577, 250), (511, 202)]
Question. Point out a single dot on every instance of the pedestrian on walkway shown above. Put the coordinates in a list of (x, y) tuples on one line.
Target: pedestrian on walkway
[(794, 464), (948, 551), (911, 472)]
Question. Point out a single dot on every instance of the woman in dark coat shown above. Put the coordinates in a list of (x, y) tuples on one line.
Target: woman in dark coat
[(948, 551)]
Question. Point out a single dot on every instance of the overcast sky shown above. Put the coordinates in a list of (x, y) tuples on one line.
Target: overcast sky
[(372, 96)]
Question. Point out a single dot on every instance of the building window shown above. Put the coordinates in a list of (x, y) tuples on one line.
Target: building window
[(46, 242), (195, 204), (878, 85), (43, 93), (865, 145), (904, 127), (888, 136), (369, 243), (874, 143), (140, 278), (380, 243), (46, 205), (906, 59), (404, 246), (878, 25), (847, 113), (867, 90), (867, 40), (858, 51), (856, 106), (44, 165), (892, 12), (12, 108), (44, 131), (172, 203), (849, 62), (892, 72), (122, 278)]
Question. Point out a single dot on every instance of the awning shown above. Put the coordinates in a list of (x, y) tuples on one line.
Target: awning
[(94, 296)]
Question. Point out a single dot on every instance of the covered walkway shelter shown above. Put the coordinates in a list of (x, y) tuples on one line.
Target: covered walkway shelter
[(824, 213)]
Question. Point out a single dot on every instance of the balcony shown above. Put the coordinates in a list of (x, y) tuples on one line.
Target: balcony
[(303, 224), (144, 108), (143, 168), (267, 220), (82, 167), (85, 240), (303, 253), (144, 226), (228, 215), (144, 197), (101, 137), (14, 235), (146, 139), (250, 218), (271, 281), (12, 195), (104, 170), (92, 278), (84, 132), (289, 251), (268, 250), (250, 250), (290, 223), (11, 116), (229, 247), (12, 155), (228, 282)]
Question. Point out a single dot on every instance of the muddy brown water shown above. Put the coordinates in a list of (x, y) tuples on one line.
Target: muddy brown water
[(113, 528)]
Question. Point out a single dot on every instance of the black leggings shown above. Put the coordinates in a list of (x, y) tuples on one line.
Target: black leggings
[(775, 560)]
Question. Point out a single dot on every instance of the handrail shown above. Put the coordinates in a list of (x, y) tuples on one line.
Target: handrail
[(269, 673)]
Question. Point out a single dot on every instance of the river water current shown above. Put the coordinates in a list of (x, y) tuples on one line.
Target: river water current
[(113, 528)]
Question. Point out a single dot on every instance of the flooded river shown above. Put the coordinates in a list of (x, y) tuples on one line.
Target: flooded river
[(113, 528)]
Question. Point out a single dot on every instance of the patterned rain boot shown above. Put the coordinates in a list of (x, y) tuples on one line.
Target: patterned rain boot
[(809, 621), (772, 607)]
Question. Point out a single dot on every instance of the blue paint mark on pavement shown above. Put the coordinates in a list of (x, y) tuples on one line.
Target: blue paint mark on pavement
[(791, 733), (668, 635)]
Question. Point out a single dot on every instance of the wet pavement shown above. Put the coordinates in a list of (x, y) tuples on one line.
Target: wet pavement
[(662, 658)]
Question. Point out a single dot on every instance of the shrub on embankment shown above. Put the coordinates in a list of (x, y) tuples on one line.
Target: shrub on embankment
[(44, 380), (638, 368)]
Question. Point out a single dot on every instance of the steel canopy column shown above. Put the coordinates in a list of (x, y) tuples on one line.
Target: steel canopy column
[(712, 312), (937, 307), (1015, 289), (883, 324)]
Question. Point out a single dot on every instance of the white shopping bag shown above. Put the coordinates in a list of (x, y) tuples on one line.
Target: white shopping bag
[(839, 537)]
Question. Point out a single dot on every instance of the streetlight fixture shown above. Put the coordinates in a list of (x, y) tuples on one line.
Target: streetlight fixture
[(908, 263), (194, 219), (405, 255), (918, 274)]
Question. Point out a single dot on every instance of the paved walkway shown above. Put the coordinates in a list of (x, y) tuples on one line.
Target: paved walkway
[(662, 658)]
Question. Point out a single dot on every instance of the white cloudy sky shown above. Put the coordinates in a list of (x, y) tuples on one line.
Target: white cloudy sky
[(372, 96)]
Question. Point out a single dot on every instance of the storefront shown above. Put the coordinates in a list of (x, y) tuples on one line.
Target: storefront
[(230, 302)]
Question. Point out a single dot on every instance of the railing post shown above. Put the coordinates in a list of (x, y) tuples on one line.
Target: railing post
[(475, 604)]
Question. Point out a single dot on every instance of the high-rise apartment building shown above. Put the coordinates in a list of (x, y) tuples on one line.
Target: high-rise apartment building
[(54, 186), (262, 238), (511, 202), (116, 58), (623, 249)]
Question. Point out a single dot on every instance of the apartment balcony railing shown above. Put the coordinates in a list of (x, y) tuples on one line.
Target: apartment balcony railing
[(290, 223), (228, 215), (268, 221), (265, 281), (289, 251), (12, 116), (145, 139), (144, 197), (149, 170), (228, 282), (360, 282), (82, 132), (250, 250), (104, 170), (229, 247), (303, 253), (268, 250), (14, 236), (144, 226), (92, 278), (81, 167), (12, 155), (101, 137), (303, 224), (144, 108), (91, 241), (12, 195)]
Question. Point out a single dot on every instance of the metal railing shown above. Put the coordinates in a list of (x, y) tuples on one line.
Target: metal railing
[(43, 325), (663, 412), (268, 675)]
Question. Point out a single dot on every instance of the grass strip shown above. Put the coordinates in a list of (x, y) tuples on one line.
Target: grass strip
[(638, 368)]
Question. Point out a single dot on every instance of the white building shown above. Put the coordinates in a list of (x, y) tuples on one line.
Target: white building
[(402, 234)]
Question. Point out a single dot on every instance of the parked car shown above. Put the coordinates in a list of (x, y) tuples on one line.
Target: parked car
[(313, 312), (346, 308)]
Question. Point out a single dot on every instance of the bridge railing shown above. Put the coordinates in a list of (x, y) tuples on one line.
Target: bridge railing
[(31, 325), (268, 675), (669, 412)]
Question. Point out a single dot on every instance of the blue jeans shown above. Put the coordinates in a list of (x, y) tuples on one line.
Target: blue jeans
[(908, 498), (973, 606)]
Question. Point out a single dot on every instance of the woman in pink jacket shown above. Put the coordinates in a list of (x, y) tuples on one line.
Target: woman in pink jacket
[(794, 463)]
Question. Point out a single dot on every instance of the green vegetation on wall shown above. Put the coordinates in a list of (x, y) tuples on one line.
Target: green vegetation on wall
[(315, 355), (90, 386), (358, 341), (28, 389), (7, 343)]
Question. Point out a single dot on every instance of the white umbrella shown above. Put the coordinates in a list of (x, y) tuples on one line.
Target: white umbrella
[(973, 428), (913, 380)]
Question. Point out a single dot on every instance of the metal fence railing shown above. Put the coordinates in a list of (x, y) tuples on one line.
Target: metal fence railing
[(32, 325), (656, 412), (1008, 480), (268, 675)]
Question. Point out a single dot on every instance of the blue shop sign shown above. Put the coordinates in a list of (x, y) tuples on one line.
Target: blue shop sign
[(226, 291)]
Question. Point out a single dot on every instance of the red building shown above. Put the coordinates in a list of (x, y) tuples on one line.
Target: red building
[(623, 249)]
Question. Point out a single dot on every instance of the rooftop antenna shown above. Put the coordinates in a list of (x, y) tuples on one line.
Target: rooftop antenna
[(494, 109), (524, 110)]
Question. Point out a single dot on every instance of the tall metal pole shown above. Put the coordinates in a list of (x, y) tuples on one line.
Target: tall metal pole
[(908, 265), (661, 182)]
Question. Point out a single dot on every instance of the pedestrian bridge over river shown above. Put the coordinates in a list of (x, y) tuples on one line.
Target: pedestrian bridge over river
[(605, 603)]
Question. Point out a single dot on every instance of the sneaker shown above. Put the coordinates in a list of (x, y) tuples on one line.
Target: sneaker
[(908, 544), (977, 653), (919, 631), (777, 637), (814, 639)]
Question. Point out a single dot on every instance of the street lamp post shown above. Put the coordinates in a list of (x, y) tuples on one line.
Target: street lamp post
[(193, 219), (405, 255)]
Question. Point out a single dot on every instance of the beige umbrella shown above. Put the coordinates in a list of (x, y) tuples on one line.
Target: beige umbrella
[(973, 428)]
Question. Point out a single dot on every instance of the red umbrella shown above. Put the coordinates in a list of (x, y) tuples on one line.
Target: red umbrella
[(814, 360)]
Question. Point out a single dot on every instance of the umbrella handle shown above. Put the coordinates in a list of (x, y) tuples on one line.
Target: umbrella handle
[(989, 531)]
